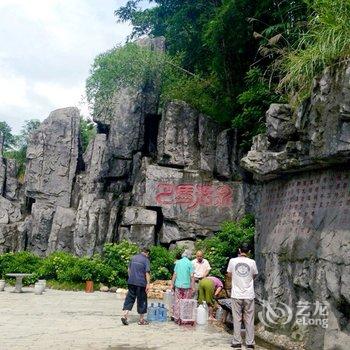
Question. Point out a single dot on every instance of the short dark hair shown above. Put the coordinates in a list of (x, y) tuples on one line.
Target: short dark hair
[(245, 248), (145, 250), (178, 255)]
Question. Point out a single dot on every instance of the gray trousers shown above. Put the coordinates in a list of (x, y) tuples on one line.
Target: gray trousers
[(243, 309)]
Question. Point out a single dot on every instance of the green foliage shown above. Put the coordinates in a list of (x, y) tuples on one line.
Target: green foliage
[(162, 262), (28, 128), (67, 271), (18, 151), (254, 102), (216, 40), (65, 267), (21, 262), (117, 256), (220, 41), (137, 67), (224, 245), (203, 95), (56, 265), (19, 155), (180, 21), (326, 42), (228, 35), (278, 24), (87, 132), (127, 66), (8, 138)]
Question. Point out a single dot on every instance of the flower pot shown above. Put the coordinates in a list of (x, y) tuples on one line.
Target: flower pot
[(2, 285), (89, 286), (38, 288)]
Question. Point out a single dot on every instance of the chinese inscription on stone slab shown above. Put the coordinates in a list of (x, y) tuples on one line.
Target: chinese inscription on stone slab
[(191, 196), (307, 202)]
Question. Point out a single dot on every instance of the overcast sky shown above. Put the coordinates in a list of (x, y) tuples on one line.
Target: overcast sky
[(47, 48)]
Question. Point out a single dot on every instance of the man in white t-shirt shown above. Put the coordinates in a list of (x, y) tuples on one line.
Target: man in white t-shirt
[(243, 270), (201, 266)]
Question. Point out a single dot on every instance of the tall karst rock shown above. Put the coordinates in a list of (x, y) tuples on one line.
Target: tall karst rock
[(303, 213), (169, 176), (149, 176)]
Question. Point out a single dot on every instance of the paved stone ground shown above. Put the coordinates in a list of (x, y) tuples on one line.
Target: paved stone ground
[(77, 320)]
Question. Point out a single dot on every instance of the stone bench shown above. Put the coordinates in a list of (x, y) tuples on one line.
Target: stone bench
[(19, 278)]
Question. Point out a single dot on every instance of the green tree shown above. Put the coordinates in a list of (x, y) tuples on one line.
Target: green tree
[(253, 102), (217, 41), (28, 128), (224, 245), (133, 66), (20, 144), (87, 132), (9, 139)]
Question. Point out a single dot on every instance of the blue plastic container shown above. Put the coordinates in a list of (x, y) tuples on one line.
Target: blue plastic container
[(152, 313), (164, 314)]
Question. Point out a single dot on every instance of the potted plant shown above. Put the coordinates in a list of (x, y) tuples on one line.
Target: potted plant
[(87, 274), (89, 286)]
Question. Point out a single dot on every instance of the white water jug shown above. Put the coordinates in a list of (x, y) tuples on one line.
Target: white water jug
[(202, 314), (168, 298), (38, 288), (219, 313), (43, 283)]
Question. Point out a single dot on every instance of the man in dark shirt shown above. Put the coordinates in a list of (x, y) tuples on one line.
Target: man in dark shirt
[(138, 286)]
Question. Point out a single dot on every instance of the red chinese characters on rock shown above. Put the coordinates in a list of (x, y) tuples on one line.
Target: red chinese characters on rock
[(192, 196)]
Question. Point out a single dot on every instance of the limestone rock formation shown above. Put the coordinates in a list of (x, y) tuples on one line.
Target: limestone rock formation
[(11, 188), (53, 157), (9, 212), (279, 122), (171, 176), (91, 225), (189, 197), (189, 139), (302, 213), (226, 155), (2, 166), (139, 216), (316, 136), (10, 240), (62, 229)]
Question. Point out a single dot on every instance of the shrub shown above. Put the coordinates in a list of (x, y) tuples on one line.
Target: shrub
[(224, 245), (57, 265), (254, 102), (137, 67), (65, 267), (117, 257), (84, 269), (21, 262), (162, 262), (325, 43), (67, 270)]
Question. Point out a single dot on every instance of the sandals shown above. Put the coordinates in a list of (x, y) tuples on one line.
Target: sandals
[(125, 321), (143, 323), (140, 323)]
